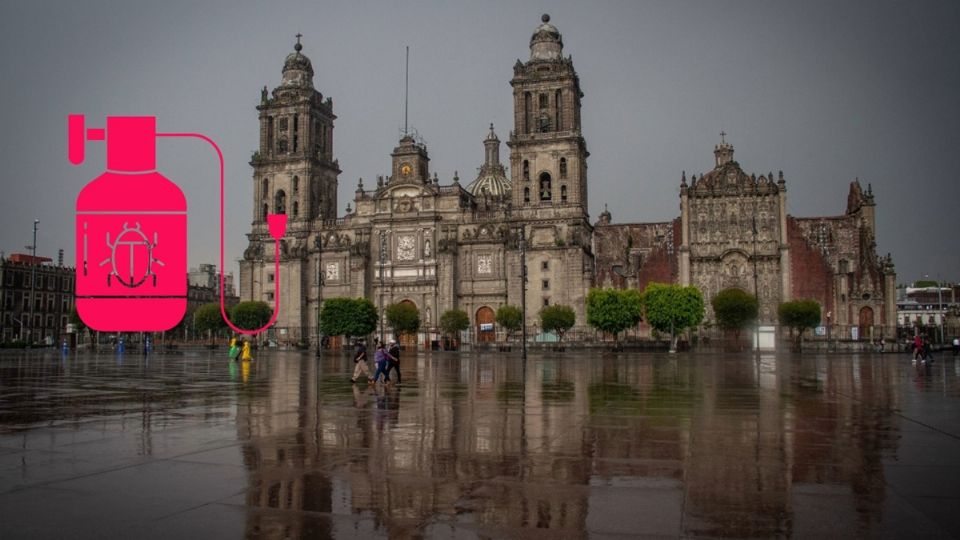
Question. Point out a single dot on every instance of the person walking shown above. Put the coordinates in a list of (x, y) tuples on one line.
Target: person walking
[(927, 354), (360, 363), (234, 349), (245, 356), (382, 366), (393, 360)]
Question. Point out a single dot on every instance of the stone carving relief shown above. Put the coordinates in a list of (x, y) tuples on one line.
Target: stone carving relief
[(406, 247), (404, 205), (332, 271), (334, 240), (484, 264)]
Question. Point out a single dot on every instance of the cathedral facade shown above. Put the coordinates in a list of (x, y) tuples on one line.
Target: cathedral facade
[(734, 232), (412, 238), (444, 245)]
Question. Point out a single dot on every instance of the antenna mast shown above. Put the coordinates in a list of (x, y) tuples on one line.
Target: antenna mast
[(406, 91)]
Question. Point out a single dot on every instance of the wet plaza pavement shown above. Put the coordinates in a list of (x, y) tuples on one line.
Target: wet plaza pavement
[(575, 445)]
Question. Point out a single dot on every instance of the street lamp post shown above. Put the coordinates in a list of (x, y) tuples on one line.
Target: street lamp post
[(940, 310), (756, 289), (673, 338), (383, 257), (630, 273), (829, 314), (523, 290), (33, 275), (20, 322), (320, 282)]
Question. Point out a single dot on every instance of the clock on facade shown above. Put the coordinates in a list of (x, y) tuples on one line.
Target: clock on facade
[(406, 169)]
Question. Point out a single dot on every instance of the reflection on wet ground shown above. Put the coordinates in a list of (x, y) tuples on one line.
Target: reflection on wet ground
[(576, 445)]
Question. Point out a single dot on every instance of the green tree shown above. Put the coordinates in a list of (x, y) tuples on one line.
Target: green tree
[(558, 319), (251, 315), (614, 310), (81, 327), (350, 317), (799, 315), (209, 319), (672, 308), (454, 321), (735, 310), (76, 320), (510, 318), (404, 318)]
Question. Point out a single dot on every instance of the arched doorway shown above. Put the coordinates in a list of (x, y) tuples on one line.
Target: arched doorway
[(866, 323), (410, 340), (485, 328)]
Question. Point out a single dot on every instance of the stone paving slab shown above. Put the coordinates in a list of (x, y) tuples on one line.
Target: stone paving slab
[(577, 445)]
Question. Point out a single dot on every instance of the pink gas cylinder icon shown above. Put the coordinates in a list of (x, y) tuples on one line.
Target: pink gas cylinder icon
[(131, 232)]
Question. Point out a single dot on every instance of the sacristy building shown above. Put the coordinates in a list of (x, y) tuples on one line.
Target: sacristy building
[(441, 245)]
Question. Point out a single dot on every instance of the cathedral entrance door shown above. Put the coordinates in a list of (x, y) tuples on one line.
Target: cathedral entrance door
[(866, 323), (409, 340), (485, 328)]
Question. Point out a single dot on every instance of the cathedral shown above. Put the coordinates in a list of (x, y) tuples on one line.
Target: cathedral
[(449, 245)]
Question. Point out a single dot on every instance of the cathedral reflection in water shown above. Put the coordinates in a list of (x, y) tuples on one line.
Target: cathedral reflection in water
[(714, 445)]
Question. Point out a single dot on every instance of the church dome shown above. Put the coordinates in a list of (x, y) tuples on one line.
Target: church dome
[(493, 183), (492, 179), (546, 42), (297, 69)]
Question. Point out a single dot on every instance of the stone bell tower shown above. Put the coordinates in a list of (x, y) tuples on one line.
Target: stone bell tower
[(548, 153), (548, 166), (294, 173)]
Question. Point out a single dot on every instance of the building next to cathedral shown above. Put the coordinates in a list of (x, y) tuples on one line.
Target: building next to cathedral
[(443, 245)]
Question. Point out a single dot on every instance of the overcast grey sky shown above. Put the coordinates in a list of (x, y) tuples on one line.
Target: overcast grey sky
[(825, 91)]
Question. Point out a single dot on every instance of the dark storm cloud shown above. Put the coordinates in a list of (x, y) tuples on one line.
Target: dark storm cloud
[(825, 91)]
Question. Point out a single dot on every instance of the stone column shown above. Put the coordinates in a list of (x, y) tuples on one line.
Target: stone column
[(786, 281)]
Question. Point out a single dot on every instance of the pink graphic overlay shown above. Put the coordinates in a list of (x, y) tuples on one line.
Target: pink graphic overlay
[(132, 232)]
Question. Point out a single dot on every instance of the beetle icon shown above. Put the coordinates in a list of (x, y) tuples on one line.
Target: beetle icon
[(130, 239)]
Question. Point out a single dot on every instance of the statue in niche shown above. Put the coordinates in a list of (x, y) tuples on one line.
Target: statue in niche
[(426, 248)]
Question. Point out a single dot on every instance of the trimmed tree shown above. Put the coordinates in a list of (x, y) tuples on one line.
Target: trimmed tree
[(454, 321), (799, 315), (557, 319), (614, 310), (349, 317), (251, 315), (81, 327), (209, 319), (404, 318), (735, 310), (510, 318), (673, 308)]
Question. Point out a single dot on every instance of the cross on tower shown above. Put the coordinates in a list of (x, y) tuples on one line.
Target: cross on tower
[(722, 134), (299, 35)]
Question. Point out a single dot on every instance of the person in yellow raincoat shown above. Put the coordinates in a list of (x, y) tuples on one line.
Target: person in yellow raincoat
[(245, 355)]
